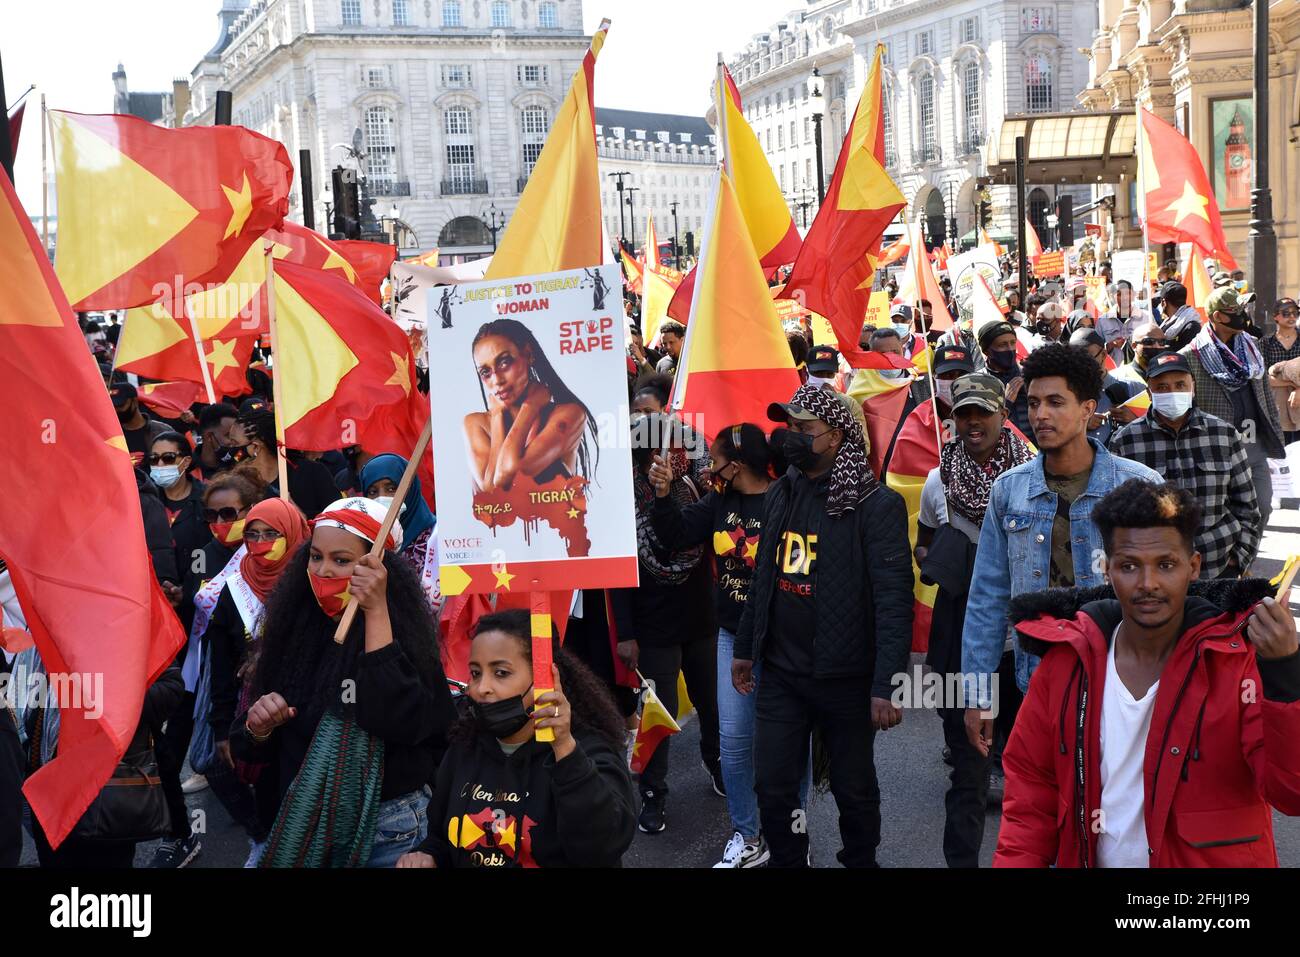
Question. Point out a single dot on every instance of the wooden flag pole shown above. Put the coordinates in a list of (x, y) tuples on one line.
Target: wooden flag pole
[(276, 373), (198, 348), (543, 681), (1288, 576), (377, 549)]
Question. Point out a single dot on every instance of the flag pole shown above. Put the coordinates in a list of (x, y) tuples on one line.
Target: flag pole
[(543, 680), (198, 348), (1142, 194), (45, 185), (918, 248), (377, 549), (720, 104), (276, 374)]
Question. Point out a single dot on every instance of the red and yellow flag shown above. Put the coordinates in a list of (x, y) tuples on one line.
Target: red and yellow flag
[(916, 452), (371, 261), (651, 251), (75, 549), (1033, 247), (882, 401), (1180, 204), (918, 282), (634, 271), (894, 251), (557, 224), (170, 399), (836, 267), (141, 205), (736, 360), (655, 725), (1196, 279), (16, 127), (767, 217), (987, 240)]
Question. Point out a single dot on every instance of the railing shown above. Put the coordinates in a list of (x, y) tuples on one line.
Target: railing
[(464, 187), (971, 144), (705, 158), (388, 187), (926, 154)]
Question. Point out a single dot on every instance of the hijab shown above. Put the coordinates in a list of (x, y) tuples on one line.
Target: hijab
[(262, 572), (418, 518)]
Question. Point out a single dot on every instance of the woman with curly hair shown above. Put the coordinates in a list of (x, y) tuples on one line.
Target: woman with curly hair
[(349, 733), (504, 799)]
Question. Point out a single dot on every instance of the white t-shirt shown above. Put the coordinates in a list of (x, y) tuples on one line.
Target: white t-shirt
[(1125, 723), (934, 508)]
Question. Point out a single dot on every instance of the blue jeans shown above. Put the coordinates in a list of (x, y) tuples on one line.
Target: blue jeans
[(403, 825), (736, 734)]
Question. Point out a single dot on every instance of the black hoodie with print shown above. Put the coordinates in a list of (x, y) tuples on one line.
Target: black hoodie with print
[(526, 809)]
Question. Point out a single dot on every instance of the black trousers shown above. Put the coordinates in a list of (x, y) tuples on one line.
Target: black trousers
[(171, 747), (788, 709), (75, 854), (967, 798), (698, 663), (11, 793)]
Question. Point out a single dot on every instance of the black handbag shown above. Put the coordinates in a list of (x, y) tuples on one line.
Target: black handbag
[(131, 806)]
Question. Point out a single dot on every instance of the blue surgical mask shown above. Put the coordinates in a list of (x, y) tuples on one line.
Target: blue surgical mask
[(165, 476), (1172, 405), (904, 329)]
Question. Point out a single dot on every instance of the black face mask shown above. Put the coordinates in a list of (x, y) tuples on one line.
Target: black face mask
[(1235, 320), (502, 718), (1002, 359), (231, 455), (125, 415), (799, 450)]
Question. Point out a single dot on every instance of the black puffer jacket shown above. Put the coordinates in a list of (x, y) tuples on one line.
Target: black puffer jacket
[(864, 586)]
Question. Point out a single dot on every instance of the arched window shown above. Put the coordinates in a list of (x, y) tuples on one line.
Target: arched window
[(927, 123), (381, 148), (936, 219), (1038, 84), (533, 124), (971, 92), (1038, 207), (458, 128), (451, 14), (464, 231), (500, 13), (548, 16)]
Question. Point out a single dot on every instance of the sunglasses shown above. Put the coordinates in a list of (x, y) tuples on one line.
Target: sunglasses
[(1152, 342), (268, 536), (213, 515), (1289, 313), (166, 458)]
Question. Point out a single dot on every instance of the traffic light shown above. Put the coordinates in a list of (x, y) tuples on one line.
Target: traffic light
[(984, 209), (347, 204), (690, 243), (1064, 221)]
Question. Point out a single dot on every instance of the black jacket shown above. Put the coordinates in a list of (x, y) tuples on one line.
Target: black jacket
[(11, 794), (188, 530), (157, 531), (572, 813), (864, 586)]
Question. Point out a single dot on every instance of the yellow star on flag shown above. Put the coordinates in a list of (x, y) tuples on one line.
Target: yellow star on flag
[(401, 373), (334, 261), (241, 207), (504, 578), (1191, 203), (222, 356), (573, 512)]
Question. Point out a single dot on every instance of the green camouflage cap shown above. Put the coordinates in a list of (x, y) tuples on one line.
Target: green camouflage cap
[(980, 389)]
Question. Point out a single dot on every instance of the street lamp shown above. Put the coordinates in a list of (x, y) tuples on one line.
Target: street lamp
[(816, 92), (495, 221), (952, 219), (631, 210), (1261, 242), (801, 202), (622, 232), (673, 205)]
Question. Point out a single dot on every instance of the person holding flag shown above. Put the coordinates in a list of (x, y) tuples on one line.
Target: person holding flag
[(349, 734), (504, 799)]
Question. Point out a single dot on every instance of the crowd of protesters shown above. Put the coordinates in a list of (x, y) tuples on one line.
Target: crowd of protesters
[(1091, 521)]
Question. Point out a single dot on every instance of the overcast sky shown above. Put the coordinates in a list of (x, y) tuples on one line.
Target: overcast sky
[(659, 56)]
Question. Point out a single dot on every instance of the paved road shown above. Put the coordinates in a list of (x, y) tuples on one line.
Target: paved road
[(913, 779)]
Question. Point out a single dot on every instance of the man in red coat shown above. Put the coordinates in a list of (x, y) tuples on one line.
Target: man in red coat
[(1164, 719)]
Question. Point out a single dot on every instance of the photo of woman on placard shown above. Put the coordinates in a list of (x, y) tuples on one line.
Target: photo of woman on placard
[(533, 425)]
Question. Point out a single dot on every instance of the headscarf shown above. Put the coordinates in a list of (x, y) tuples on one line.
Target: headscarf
[(417, 519), (851, 476), (362, 517), (262, 573)]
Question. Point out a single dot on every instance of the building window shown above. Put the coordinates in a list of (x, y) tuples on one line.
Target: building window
[(1038, 19), (929, 137), (532, 75), (533, 124), (451, 14), (925, 43), (970, 30), (548, 16), (780, 137), (794, 175), (807, 129), (401, 13), (794, 129), (381, 148), (458, 77), (808, 174), (971, 90), (1038, 84), (769, 141), (782, 172), (458, 126), (887, 119), (500, 13), (375, 77), (351, 13)]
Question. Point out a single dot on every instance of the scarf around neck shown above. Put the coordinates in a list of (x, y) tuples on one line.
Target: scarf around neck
[(967, 484), (1232, 366), (851, 475)]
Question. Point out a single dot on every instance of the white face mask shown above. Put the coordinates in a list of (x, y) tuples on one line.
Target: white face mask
[(165, 476), (821, 382), (893, 373), (943, 390), (1172, 405), (903, 329), (387, 502)]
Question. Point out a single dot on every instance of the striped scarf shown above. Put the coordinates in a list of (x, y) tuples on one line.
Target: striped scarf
[(1233, 367), (967, 484), (329, 814), (851, 476)]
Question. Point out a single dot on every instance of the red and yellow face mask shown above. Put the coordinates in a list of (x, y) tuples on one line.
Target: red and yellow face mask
[(228, 533), (332, 594), (269, 552)]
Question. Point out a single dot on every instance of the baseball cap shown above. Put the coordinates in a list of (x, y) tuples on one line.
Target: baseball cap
[(1286, 302), (981, 389), (1222, 278), (1052, 310), (1087, 337), (823, 360), (1163, 362), (253, 407), (1223, 299), (992, 330), (953, 358), (121, 392), (901, 311), (785, 411)]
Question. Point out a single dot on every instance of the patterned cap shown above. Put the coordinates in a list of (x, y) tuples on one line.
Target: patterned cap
[(979, 389), (1224, 299)]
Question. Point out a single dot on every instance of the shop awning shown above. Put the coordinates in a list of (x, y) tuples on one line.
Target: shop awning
[(1070, 148)]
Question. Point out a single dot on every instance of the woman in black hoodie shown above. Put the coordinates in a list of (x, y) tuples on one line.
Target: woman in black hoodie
[(504, 799)]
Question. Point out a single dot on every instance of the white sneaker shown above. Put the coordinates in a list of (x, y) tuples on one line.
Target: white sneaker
[(194, 783), (740, 853)]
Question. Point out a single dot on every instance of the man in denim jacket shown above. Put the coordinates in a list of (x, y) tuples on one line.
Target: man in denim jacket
[(1038, 531)]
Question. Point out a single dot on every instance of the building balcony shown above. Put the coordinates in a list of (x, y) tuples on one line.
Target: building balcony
[(926, 154), (464, 187), (387, 187), (971, 144)]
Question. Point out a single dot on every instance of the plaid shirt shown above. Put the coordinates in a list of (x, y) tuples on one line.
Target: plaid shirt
[(1206, 458)]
